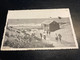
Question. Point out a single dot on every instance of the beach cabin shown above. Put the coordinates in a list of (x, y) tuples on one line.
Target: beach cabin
[(50, 25)]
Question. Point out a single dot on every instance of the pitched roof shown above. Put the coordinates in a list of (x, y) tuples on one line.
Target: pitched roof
[(47, 22)]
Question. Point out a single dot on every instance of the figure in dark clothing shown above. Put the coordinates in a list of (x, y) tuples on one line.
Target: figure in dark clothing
[(56, 37), (41, 35), (60, 37), (49, 32)]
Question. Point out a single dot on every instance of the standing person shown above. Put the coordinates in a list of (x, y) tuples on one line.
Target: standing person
[(41, 34), (56, 37), (60, 37), (49, 32), (44, 34)]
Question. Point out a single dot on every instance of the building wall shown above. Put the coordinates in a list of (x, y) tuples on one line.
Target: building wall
[(51, 27), (54, 26)]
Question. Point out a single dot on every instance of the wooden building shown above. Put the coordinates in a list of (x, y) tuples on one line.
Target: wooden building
[(50, 25)]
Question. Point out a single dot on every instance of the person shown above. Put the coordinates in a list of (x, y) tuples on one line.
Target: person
[(44, 34), (56, 37), (45, 37), (49, 32), (60, 37)]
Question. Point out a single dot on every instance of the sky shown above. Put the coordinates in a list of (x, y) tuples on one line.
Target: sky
[(39, 13)]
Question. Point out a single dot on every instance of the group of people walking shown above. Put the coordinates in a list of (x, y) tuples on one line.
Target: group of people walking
[(58, 37), (44, 34)]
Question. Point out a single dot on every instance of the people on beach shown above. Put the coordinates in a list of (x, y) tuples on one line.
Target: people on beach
[(58, 37), (48, 32), (44, 35)]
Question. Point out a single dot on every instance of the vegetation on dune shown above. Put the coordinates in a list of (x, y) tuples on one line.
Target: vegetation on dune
[(16, 38)]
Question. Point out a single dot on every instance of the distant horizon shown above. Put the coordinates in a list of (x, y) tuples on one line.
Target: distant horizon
[(34, 21)]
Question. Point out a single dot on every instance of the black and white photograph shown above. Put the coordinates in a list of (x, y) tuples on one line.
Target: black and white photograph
[(41, 29)]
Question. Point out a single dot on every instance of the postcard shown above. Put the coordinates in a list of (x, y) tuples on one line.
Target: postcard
[(39, 29)]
